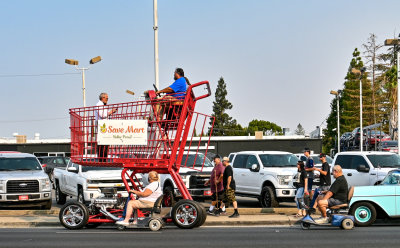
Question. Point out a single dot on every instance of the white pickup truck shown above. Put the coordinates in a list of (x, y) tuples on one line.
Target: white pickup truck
[(266, 175), (86, 182), (366, 168)]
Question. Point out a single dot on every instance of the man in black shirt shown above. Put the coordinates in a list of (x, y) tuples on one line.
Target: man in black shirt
[(324, 180), (336, 195), (229, 188)]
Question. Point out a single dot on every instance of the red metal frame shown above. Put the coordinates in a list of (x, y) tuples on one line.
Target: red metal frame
[(169, 124)]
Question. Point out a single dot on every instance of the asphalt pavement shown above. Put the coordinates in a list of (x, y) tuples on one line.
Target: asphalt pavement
[(377, 236)]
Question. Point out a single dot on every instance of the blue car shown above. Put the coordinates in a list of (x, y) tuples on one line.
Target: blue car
[(380, 201)]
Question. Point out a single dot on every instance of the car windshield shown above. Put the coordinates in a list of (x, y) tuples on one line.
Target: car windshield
[(390, 143), (329, 160), (392, 178), (97, 168), (196, 161), (279, 160), (13, 164), (385, 161)]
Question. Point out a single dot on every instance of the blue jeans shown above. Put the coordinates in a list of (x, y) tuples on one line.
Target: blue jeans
[(300, 198), (309, 184)]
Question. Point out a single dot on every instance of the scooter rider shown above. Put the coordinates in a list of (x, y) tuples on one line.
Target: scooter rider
[(336, 195)]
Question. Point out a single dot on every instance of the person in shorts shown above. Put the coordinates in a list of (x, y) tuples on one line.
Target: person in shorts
[(337, 194), (216, 185), (229, 188)]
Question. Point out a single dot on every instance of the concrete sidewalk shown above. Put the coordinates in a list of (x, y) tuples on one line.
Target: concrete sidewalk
[(248, 216)]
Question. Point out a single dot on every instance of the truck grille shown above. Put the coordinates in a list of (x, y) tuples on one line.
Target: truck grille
[(22, 186), (197, 182)]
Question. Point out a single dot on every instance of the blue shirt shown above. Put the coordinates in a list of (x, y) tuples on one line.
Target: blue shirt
[(179, 86)]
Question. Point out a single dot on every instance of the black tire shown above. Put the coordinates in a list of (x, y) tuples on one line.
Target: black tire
[(61, 198), (48, 205), (93, 225), (169, 197), (202, 213), (364, 213), (305, 226), (186, 214), (74, 215), (81, 196), (268, 198)]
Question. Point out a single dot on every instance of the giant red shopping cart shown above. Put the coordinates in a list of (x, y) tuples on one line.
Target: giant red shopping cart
[(152, 134)]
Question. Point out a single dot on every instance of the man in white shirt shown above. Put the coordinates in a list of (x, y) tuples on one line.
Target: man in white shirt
[(101, 114)]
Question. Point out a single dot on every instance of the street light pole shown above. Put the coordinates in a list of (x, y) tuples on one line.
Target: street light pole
[(83, 69), (360, 72), (155, 27), (336, 93)]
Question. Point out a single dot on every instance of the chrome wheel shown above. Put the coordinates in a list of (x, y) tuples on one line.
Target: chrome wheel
[(74, 215), (186, 214)]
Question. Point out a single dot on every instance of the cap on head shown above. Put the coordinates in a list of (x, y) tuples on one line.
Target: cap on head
[(307, 150), (225, 159), (322, 155), (217, 156), (180, 72)]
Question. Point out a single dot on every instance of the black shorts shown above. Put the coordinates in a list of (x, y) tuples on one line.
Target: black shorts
[(334, 202), (220, 196)]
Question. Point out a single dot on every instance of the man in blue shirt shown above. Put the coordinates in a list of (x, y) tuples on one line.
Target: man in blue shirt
[(176, 90)]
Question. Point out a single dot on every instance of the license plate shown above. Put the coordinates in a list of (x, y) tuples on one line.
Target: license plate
[(23, 197), (207, 192)]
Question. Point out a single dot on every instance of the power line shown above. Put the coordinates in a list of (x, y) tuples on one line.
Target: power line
[(37, 120), (39, 75)]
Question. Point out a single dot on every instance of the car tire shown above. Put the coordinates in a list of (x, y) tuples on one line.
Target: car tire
[(268, 198), (186, 214), (61, 198), (81, 196), (203, 214), (169, 197), (74, 215), (364, 213)]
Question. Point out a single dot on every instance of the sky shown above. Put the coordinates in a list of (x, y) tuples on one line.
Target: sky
[(279, 59)]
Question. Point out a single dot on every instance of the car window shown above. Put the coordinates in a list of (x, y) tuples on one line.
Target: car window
[(392, 178), (279, 160), (240, 161), (344, 161), (58, 161), (388, 161), (357, 161), (196, 160), (12, 164), (231, 158), (329, 160), (251, 160)]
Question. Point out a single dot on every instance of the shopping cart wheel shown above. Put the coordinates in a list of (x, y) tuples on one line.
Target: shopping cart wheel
[(347, 224), (155, 224), (74, 215), (305, 226), (186, 214)]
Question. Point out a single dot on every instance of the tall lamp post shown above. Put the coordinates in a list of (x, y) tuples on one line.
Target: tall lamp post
[(360, 72), (395, 43), (83, 69), (337, 94)]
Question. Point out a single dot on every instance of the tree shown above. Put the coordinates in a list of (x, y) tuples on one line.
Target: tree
[(300, 130), (220, 106), (265, 126)]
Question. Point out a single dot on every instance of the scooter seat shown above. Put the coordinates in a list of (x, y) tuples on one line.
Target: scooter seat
[(339, 206)]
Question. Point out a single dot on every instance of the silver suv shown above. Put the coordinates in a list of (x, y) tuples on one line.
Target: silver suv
[(23, 181)]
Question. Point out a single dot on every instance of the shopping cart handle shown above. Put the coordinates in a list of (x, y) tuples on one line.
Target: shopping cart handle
[(199, 84)]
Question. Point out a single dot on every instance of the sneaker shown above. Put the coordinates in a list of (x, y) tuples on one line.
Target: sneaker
[(217, 212), (235, 215), (322, 220), (121, 219), (122, 223), (210, 212), (221, 212)]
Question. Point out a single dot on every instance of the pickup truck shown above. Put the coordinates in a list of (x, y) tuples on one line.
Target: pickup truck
[(366, 168), (23, 182), (85, 182), (266, 175), (194, 174)]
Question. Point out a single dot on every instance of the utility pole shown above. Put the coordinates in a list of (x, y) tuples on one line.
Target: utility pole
[(155, 27)]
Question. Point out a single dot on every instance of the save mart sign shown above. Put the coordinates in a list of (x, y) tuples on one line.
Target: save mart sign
[(122, 132)]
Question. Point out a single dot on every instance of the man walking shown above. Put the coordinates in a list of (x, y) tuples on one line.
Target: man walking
[(216, 185), (310, 169), (229, 188)]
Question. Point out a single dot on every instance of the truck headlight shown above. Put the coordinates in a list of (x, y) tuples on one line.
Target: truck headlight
[(46, 185), (284, 179), (2, 182)]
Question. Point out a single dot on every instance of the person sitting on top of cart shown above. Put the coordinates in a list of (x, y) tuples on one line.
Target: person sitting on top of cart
[(147, 198), (176, 90), (336, 195)]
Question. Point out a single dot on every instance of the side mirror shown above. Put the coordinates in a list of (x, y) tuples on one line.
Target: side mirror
[(254, 168), (72, 169), (362, 168)]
